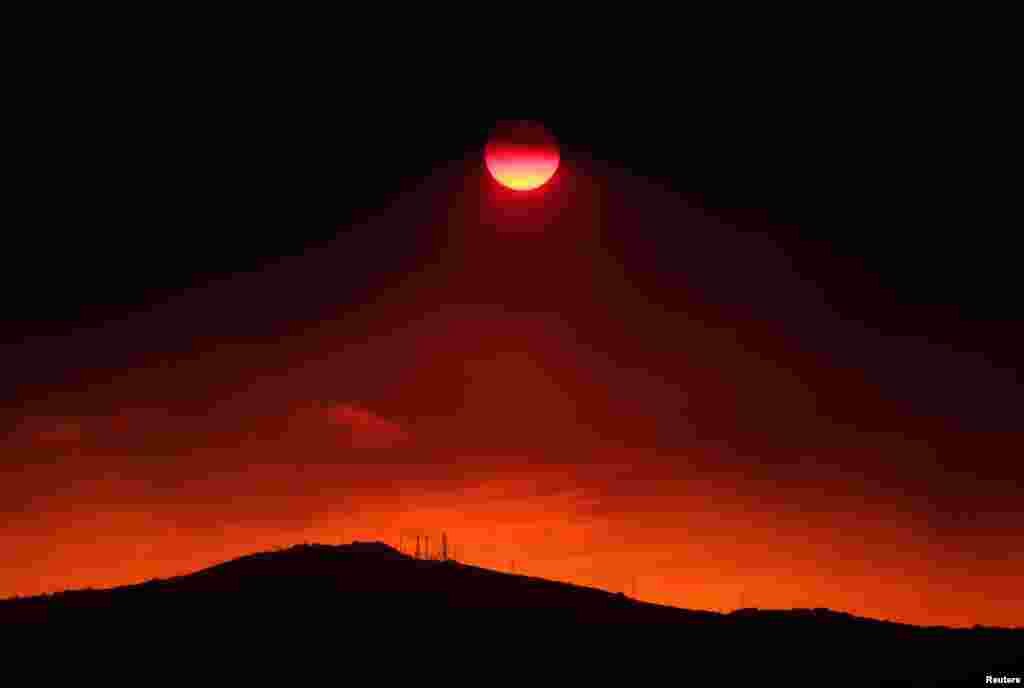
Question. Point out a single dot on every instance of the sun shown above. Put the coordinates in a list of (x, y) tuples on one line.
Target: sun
[(521, 155)]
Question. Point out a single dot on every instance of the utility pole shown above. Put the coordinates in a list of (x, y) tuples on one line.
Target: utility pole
[(428, 547), (417, 546)]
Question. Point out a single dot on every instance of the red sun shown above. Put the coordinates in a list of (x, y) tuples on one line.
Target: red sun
[(521, 155)]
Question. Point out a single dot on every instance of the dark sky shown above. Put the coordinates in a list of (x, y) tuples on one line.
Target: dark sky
[(793, 291)]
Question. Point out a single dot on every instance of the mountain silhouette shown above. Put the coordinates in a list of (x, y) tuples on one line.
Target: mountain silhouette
[(371, 582)]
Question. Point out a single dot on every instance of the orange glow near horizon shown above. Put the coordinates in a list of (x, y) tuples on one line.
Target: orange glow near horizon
[(695, 545)]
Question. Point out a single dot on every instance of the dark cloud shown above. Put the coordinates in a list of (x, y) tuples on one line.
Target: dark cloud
[(366, 430)]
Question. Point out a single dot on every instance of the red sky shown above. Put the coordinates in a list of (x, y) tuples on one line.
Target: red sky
[(533, 397)]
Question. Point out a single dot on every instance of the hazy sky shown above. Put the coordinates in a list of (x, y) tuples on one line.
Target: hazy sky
[(600, 382)]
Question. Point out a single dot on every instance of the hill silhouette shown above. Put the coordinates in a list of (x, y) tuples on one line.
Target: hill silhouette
[(371, 582)]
